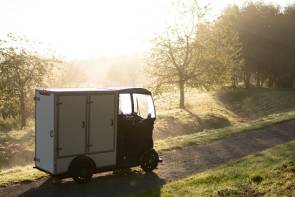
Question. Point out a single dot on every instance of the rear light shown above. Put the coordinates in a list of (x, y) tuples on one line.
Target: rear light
[(44, 93)]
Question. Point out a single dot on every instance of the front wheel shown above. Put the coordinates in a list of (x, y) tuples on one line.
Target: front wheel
[(149, 160)]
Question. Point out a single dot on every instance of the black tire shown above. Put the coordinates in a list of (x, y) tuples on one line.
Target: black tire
[(122, 171), (82, 171), (55, 180), (149, 161)]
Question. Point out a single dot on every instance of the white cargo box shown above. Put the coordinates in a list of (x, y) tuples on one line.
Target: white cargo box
[(71, 122)]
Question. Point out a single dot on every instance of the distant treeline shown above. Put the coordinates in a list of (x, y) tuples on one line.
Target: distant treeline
[(267, 36), (246, 46)]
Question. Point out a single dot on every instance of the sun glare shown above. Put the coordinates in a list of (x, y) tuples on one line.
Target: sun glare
[(88, 28)]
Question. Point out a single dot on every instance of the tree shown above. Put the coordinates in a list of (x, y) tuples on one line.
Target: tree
[(175, 57), (21, 70), (225, 47), (175, 62), (64, 75), (266, 35)]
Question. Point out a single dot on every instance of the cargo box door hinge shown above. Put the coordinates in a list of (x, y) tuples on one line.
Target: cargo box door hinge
[(36, 98), (36, 159)]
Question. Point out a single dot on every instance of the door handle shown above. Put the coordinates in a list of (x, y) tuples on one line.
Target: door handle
[(112, 122), (83, 124), (51, 133)]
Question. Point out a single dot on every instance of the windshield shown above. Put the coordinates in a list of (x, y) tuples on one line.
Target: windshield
[(144, 105)]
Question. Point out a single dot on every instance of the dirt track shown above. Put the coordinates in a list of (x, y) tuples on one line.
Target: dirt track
[(176, 164)]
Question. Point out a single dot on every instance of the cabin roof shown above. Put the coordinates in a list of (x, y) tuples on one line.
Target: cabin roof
[(84, 90)]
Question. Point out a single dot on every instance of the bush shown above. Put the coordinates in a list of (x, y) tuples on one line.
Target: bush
[(256, 179), (10, 123)]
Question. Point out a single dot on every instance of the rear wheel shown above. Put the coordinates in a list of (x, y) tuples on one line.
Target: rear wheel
[(82, 170), (55, 180), (149, 160)]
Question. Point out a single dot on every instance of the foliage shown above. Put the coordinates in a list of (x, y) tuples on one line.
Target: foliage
[(22, 68), (223, 58), (8, 123), (64, 75), (16, 148), (202, 54), (266, 34), (248, 44)]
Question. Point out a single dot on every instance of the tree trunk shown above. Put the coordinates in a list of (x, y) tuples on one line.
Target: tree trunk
[(247, 79), (234, 81), (181, 91), (22, 110), (263, 78), (257, 80), (270, 82)]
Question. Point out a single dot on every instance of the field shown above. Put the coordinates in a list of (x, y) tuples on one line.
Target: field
[(208, 116), (16, 148), (214, 110), (207, 136), (267, 173)]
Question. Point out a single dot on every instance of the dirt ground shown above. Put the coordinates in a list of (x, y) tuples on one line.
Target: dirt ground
[(176, 164)]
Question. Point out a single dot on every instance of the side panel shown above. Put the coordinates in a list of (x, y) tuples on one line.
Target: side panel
[(106, 159), (99, 140), (71, 125), (44, 131), (62, 164), (102, 134), (101, 160)]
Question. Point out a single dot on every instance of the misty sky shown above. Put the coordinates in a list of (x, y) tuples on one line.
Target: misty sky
[(80, 29)]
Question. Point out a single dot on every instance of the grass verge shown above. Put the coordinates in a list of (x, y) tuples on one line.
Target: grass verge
[(28, 174), (19, 175), (268, 173), (216, 134)]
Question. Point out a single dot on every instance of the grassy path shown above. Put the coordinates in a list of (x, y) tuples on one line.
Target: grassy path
[(27, 173), (267, 173), (178, 164), (217, 134)]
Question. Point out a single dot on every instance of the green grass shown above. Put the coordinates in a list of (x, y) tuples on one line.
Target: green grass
[(201, 123), (218, 109), (216, 134), (16, 147), (20, 175), (8, 124), (270, 173), (25, 174), (256, 103)]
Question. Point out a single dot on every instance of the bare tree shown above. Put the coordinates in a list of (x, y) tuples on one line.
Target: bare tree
[(175, 57)]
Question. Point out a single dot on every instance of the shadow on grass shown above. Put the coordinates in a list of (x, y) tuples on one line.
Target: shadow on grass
[(186, 122), (256, 102), (210, 121), (126, 184)]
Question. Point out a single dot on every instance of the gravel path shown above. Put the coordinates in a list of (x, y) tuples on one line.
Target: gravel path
[(176, 164)]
